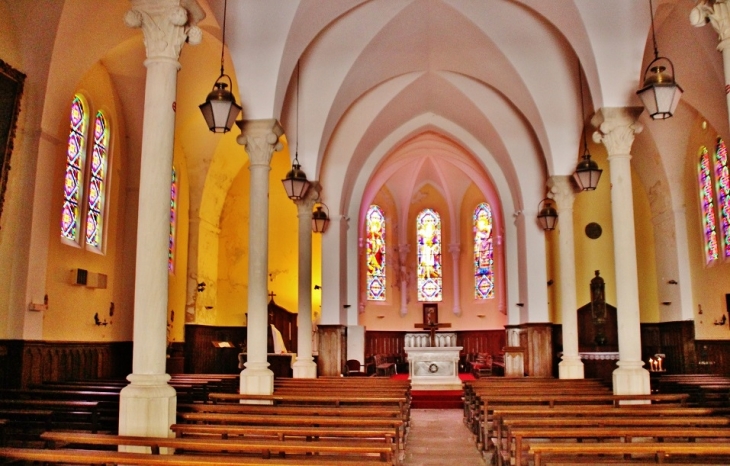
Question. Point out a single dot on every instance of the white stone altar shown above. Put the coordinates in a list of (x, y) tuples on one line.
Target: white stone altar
[(433, 367)]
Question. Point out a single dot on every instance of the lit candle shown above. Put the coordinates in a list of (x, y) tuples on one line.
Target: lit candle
[(659, 360), (651, 364)]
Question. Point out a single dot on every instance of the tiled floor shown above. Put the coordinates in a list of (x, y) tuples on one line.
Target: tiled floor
[(438, 437)]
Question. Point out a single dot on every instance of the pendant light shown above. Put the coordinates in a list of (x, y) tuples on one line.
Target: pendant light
[(547, 215), (296, 183), (587, 172), (220, 108), (660, 94), (320, 218)]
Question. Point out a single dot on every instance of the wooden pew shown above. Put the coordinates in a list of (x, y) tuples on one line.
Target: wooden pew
[(3, 438), (700, 452), (105, 457), (306, 410), (395, 424), (24, 425), (359, 448), (519, 439), (66, 413)]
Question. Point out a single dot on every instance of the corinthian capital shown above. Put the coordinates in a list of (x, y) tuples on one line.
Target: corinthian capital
[(617, 127), (715, 12), (563, 191), (166, 25), (261, 139)]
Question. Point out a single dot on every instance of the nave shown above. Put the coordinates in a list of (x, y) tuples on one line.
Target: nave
[(362, 420)]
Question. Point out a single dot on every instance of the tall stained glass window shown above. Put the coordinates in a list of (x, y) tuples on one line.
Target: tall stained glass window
[(173, 222), (95, 214), (73, 182), (722, 184), (483, 253), (428, 227), (375, 255), (707, 206)]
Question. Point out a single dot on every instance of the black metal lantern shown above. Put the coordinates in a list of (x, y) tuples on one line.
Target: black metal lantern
[(587, 173), (661, 93), (547, 215), (296, 183), (320, 219), (220, 108)]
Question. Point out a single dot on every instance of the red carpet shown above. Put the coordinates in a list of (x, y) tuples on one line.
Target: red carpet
[(436, 399)]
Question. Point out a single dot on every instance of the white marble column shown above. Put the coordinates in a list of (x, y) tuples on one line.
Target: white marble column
[(718, 15), (147, 405), (617, 128), (570, 367), (455, 249), (403, 251), (261, 139), (304, 367)]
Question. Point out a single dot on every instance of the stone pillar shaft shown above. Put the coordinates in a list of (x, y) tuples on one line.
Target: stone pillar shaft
[(261, 139), (616, 130), (304, 366), (571, 367)]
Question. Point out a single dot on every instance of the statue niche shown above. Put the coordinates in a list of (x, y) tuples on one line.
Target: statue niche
[(597, 322)]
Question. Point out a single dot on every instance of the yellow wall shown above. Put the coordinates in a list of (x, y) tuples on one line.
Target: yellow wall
[(645, 254), (71, 308), (709, 283)]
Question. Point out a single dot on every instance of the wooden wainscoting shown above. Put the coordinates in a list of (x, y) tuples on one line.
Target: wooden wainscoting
[(202, 357), (23, 363)]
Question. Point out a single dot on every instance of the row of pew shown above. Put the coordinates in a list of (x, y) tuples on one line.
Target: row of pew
[(528, 421), (322, 421)]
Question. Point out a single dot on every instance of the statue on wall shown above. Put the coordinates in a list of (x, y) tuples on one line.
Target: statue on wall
[(598, 308)]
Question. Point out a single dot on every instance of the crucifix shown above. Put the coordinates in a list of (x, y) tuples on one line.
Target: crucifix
[(430, 321)]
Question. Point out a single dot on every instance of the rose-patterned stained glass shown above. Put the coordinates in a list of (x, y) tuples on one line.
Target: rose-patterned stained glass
[(428, 227), (483, 253), (73, 180), (708, 207), (375, 253), (173, 222), (95, 214), (722, 185)]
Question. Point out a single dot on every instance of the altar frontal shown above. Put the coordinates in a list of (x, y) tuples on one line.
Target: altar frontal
[(433, 358)]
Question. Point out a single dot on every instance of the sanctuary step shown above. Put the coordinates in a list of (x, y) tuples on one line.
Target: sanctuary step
[(437, 399)]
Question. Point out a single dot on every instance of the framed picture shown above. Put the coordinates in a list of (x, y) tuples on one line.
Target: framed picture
[(11, 89), (430, 314)]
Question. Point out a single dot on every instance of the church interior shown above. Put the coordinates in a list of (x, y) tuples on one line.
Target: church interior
[(447, 225)]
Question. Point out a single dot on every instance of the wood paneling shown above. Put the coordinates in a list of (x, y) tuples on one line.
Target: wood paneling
[(201, 357), (472, 341), (539, 344), (24, 363), (332, 349)]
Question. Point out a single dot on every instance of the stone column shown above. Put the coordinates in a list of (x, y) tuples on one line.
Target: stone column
[(261, 139), (616, 130), (403, 251), (570, 367), (717, 13), (304, 367), (455, 249), (147, 405)]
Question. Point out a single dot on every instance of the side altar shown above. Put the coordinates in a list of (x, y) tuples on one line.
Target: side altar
[(433, 359)]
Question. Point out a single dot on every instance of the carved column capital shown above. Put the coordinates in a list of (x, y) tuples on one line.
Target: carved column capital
[(562, 189), (166, 25), (717, 13), (617, 127), (261, 139)]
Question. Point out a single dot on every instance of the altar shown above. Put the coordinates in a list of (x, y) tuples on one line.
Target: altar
[(433, 367)]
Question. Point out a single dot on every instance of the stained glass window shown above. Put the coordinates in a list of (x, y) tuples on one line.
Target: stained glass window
[(375, 256), (95, 214), (483, 253), (73, 181), (428, 226), (173, 222), (722, 183), (707, 206)]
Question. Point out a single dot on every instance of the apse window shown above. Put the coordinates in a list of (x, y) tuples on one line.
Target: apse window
[(483, 252), (428, 228), (85, 180), (375, 253)]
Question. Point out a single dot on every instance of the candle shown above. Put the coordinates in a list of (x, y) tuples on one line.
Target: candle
[(659, 361), (651, 364)]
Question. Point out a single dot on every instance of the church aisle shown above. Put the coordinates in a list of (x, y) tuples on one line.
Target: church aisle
[(438, 437)]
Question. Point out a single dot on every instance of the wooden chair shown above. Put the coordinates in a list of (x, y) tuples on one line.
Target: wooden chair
[(383, 366), (353, 368), (482, 365)]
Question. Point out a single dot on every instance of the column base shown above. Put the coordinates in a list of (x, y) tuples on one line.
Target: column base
[(631, 379), (257, 379), (147, 408), (571, 368), (305, 368)]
